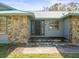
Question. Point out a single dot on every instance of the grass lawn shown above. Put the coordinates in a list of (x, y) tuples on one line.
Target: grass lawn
[(44, 56), (5, 54)]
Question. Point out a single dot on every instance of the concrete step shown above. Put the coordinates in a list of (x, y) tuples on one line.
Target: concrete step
[(42, 42)]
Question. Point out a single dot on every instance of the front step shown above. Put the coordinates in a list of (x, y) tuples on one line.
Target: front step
[(42, 42)]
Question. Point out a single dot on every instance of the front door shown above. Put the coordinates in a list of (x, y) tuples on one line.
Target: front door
[(37, 27)]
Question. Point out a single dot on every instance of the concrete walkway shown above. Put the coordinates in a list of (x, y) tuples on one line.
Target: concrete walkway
[(37, 50), (46, 50)]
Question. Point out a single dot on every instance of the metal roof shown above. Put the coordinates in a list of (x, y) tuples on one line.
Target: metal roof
[(38, 15), (7, 10), (54, 14), (16, 12), (4, 7)]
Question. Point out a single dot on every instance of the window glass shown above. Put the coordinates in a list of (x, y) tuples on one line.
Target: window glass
[(54, 24)]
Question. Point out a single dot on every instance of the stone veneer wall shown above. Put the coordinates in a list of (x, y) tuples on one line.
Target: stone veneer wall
[(74, 29), (17, 29)]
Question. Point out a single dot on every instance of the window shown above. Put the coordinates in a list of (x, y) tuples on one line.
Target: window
[(54, 24), (2, 25)]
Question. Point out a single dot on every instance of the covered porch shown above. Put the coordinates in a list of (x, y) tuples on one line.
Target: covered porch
[(49, 28)]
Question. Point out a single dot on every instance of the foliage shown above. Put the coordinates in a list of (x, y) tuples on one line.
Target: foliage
[(72, 6)]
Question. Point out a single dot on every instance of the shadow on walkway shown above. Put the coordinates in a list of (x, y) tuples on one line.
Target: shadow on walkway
[(68, 50)]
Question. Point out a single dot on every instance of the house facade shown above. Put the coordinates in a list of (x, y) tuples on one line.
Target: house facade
[(19, 26)]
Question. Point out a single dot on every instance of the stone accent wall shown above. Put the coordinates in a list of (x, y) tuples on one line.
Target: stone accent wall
[(17, 29), (74, 29)]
